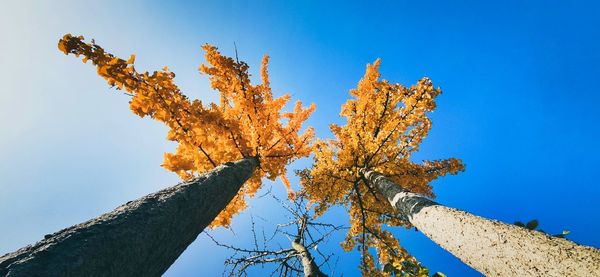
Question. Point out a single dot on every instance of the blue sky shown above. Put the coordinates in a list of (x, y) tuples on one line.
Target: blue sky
[(519, 105)]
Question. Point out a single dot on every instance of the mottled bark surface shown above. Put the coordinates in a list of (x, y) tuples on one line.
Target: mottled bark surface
[(498, 249), (308, 263), (141, 238), (489, 246)]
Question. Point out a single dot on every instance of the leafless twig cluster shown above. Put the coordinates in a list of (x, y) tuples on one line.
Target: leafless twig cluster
[(296, 259)]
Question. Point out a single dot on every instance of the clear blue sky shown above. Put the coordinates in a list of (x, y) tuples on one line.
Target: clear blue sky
[(519, 105)]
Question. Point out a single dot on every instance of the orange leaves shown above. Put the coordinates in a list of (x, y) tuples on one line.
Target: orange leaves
[(253, 107), (131, 59), (288, 186), (385, 123), (246, 123)]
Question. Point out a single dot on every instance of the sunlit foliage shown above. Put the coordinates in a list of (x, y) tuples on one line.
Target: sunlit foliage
[(385, 124), (248, 121)]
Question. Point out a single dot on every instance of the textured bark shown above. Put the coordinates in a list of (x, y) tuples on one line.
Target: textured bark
[(489, 246), (141, 238), (308, 263)]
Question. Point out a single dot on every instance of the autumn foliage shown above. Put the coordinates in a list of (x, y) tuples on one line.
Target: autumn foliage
[(248, 121), (385, 123)]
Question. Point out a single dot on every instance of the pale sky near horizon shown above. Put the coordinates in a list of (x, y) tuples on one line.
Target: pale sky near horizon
[(519, 105)]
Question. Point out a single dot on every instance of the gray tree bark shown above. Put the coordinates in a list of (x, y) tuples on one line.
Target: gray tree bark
[(310, 268), (141, 238), (308, 263), (489, 246)]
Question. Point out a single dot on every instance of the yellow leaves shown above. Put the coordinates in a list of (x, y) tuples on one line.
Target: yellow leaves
[(102, 70), (67, 43), (264, 76), (180, 164), (288, 186), (113, 61), (131, 59), (246, 123), (385, 124), (369, 81), (62, 47), (253, 107)]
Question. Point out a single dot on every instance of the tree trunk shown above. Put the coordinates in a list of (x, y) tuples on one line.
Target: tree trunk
[(308, 263), (141, 238), (489, 246)]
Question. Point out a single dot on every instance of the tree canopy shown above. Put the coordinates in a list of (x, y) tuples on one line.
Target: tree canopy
[(385, 123), (248, 121)]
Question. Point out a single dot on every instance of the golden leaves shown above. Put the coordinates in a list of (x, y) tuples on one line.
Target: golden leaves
[(131, 59), (253, 107), (246, 123), (288, 186), (385, 123)]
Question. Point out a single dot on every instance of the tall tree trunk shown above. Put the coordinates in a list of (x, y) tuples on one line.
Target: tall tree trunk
[(141, 238), (489, 246), (308, 263)]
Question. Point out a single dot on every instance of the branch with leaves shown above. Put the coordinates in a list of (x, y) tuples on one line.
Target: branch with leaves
[(367, 168), (385, 123), (248, 121)]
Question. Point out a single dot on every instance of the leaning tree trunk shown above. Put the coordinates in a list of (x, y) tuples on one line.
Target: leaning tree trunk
[(311, 269), (141, 238), (489, 246), (308, 263)]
